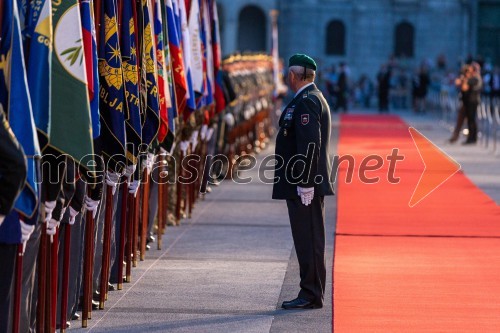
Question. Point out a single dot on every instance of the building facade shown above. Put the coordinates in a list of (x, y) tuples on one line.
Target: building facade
[(366, 33)]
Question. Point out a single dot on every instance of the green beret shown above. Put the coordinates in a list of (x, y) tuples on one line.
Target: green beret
[(302, 60)]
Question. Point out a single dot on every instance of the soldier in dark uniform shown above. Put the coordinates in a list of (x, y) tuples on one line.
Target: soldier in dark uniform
[(302, 177), (12, 180)]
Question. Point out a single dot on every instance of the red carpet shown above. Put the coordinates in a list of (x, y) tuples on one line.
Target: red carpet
[(431, 268)]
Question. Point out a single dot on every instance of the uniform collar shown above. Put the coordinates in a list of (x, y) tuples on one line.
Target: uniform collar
[(302, 89)]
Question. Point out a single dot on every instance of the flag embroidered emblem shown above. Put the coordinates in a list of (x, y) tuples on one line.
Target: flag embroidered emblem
[(304, 119)]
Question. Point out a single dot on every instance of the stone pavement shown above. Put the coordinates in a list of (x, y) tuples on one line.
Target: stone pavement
[(479, 163), (229, 268), (226, 270)]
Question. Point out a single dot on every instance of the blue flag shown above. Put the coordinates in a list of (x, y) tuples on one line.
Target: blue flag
[(131, 77), (39, 36), (15, 98), (150, 86), (112, 106)]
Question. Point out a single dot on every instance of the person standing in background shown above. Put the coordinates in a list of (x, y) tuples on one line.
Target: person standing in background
[(421, 83), (342, 89), (472, 90), (384, 85), (461, 83)]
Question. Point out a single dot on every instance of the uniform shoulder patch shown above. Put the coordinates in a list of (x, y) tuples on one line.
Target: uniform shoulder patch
[(304, 119), (289, 113)]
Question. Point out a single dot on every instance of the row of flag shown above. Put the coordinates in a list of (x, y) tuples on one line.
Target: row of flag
[(104, 77)]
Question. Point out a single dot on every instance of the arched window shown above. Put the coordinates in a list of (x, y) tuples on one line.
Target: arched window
[(335, 38), (404, 40), (252, 29)]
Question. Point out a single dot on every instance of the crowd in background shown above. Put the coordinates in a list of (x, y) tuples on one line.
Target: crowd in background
[(401, 86)]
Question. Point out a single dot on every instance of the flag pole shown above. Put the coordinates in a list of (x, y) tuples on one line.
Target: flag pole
[(18, 287), (130, 235), (145, 210), (88, 268), (164, 185), (137, 200), (54, 262), (42, 276), (159, 230), (48, 286), (179, 194), (189, 190), (135, 246), (106, 248), (65, 279), (135, 222), (123, 232), (98, 13)]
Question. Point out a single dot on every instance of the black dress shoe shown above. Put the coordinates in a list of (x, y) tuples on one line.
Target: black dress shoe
[(150, 239), (75, 316), (299, 303), (111, 287), (469, 142)]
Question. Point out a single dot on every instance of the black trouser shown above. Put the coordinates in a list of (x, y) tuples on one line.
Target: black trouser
[(341, 102), (7, 268), (76, 264), (308, 231), (383, 101), (30, 287), (460, 122), (471, 110)]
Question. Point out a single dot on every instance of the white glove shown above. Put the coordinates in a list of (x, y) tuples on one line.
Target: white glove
[(129, 171), (133, 187), (194, 139), (91, 206), (26, 231), (51, 227), (210, 133), (112, 179), (203, 132), (150, 161), (2, 217), (72, 215), (49, 208), (184, 146), (306, 194), (229, 119)]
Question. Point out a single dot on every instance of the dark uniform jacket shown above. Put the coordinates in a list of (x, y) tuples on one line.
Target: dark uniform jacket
[(12, 166), (302, 146)]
